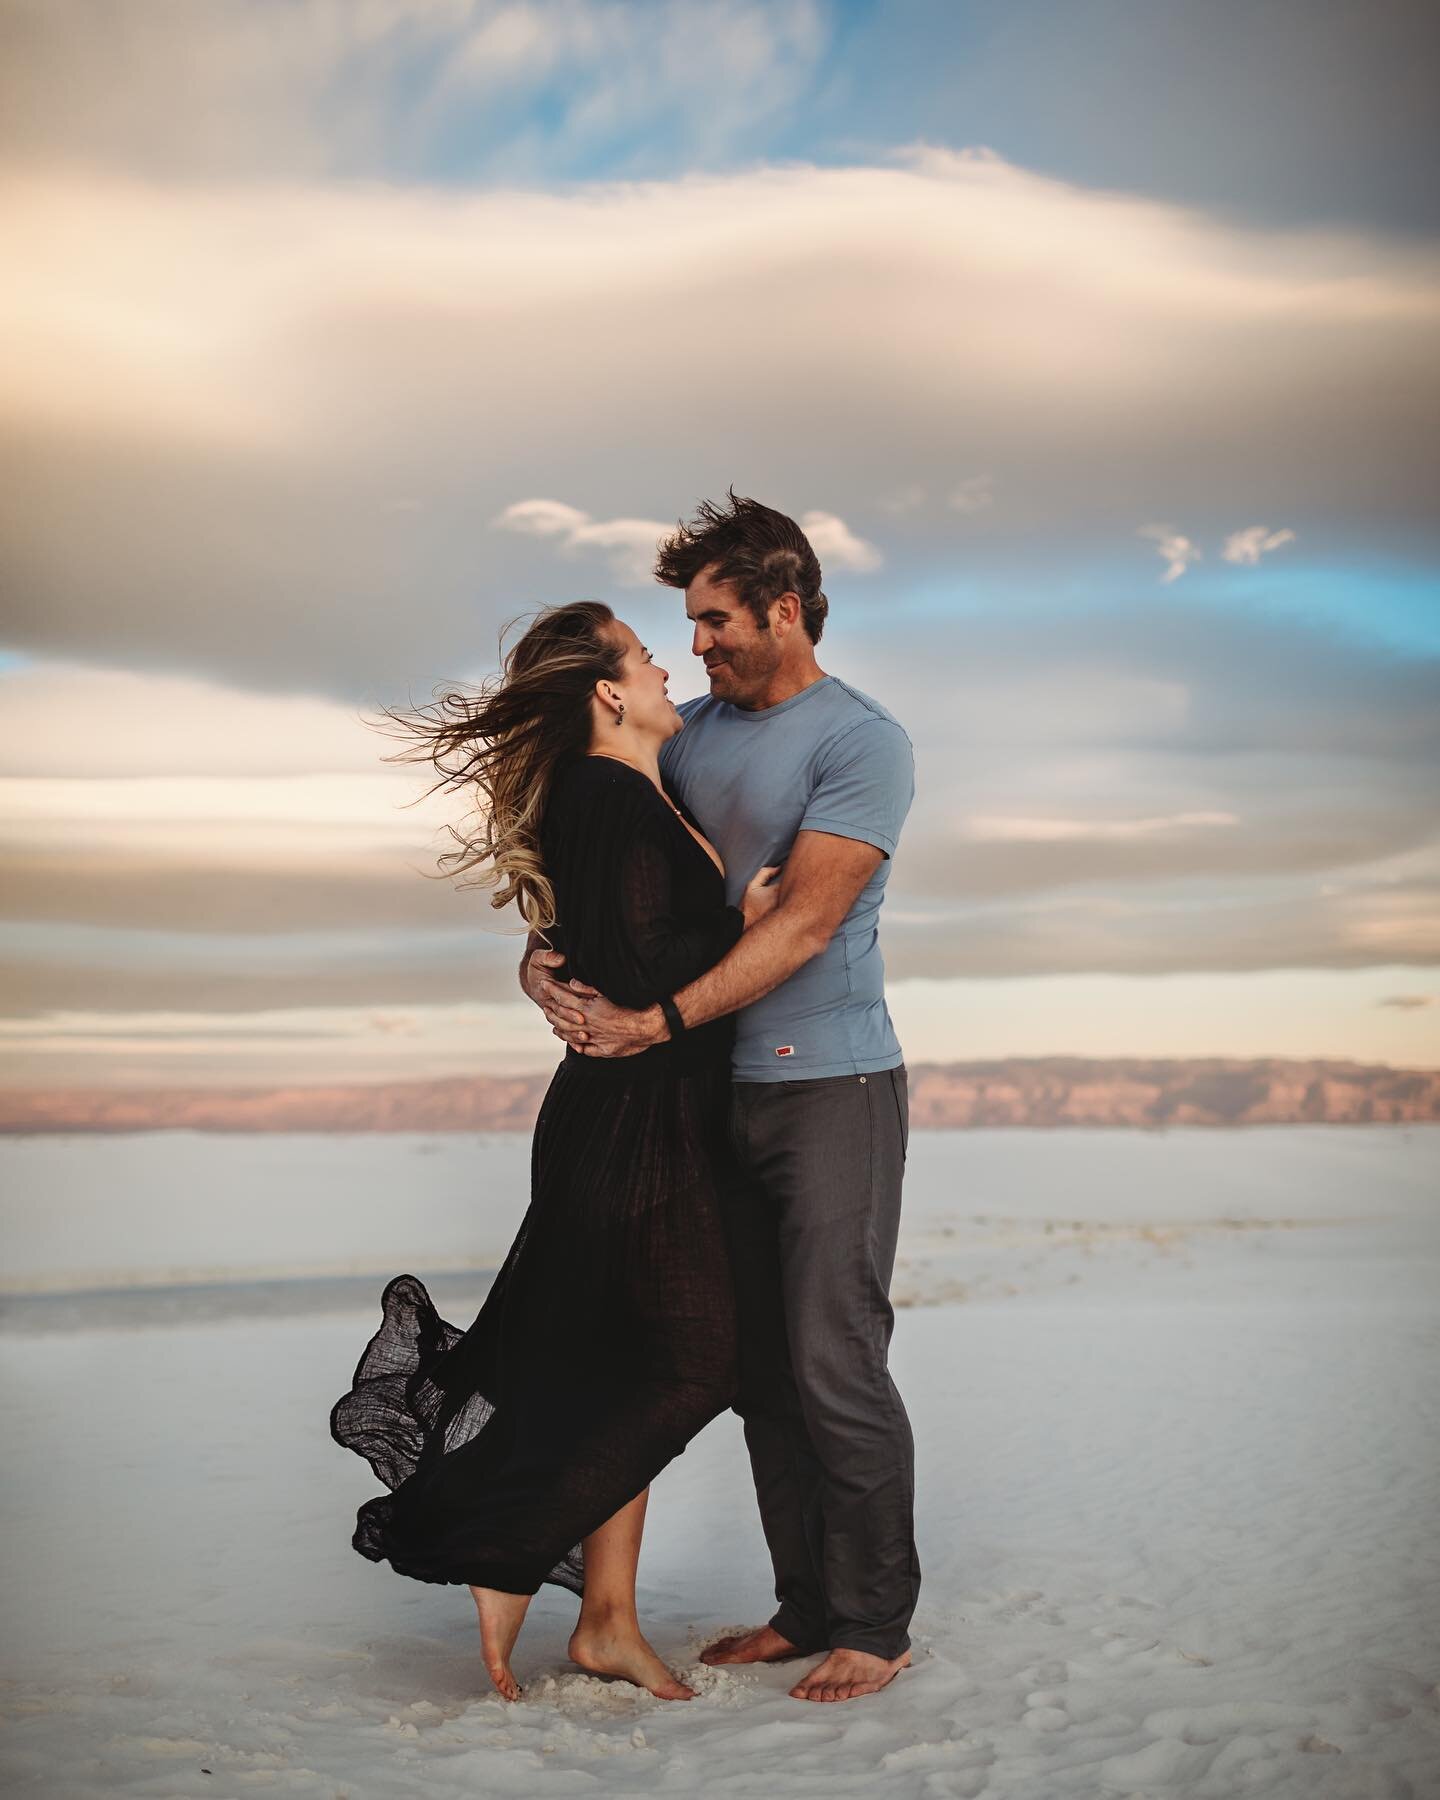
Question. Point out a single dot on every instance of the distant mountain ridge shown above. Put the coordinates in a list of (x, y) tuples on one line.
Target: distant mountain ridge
[(1052, 1091)]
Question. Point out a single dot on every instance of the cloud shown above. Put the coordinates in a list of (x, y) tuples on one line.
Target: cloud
[(1409, 1002), (203, 452), (272, 366), (972, 495), (837, 546), (436, 90), (629, 544), (1128, 789), (1255, 541), (237, 89), (1098, 934), (157, 804), (1246, 546), (544, 518), (394, 1024), (1176, 551), (143, 880), (1109, 831), (244, 975), (207, 457), (1217, 758), (596, 67), (1169, 927), (285, 1040), (65, 719)]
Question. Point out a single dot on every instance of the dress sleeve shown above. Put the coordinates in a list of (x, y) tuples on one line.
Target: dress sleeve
[(665, 948)]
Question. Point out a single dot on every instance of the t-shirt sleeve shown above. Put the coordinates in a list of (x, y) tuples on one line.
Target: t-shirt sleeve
[(866, 785)]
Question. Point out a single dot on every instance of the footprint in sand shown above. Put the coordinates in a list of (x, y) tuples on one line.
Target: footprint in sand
[(1045, 1711), (961, 1784), (1025, 1604), (1119, 1646), (1050, 1672), (1190, 1741)]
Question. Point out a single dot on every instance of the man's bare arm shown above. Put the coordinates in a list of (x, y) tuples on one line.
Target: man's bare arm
[(822, 879)]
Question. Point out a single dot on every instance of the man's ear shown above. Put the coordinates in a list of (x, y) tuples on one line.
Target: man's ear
[(785, 611)]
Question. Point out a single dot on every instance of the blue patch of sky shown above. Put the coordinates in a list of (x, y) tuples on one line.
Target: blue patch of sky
[(1389, 603), (526, 129), (1158, 99), (937, 596), (11, 660), (1392, 604)]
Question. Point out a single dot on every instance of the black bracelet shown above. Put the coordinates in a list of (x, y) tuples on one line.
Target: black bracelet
[(672, 1017)]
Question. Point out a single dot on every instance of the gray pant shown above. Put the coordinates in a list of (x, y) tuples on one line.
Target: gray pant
[(813, 1221)]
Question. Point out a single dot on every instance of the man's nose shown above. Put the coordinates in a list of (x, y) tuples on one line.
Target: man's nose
[(700, 641)]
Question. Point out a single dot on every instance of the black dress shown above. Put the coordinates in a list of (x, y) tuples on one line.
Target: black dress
[(608, 1338)]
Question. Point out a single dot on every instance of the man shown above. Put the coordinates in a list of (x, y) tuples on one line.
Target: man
[(782, 763)]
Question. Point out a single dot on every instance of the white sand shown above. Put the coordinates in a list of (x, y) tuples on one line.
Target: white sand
[(1178, 1484)]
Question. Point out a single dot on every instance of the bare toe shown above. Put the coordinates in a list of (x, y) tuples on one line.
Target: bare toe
[(506, 1685), (672, 1690), (847, 1674)]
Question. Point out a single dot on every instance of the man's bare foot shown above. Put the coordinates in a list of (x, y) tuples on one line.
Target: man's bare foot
[(603, 1648), (764, 1644), (501, 1616), (846, 1674)]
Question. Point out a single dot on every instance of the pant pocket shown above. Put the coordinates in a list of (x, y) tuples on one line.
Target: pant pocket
[(900, 1090)]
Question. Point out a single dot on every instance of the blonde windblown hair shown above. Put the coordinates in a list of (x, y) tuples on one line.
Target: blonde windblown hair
[(503, 742)]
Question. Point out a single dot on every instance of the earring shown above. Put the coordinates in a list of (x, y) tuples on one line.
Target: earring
[(620, 716)]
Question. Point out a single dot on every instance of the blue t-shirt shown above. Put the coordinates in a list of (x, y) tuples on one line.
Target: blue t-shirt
[(827, 759)]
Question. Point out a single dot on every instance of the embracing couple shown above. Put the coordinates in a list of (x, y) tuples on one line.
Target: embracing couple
[(717, 1163)]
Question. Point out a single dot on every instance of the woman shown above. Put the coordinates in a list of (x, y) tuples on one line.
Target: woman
[(521, 1450)]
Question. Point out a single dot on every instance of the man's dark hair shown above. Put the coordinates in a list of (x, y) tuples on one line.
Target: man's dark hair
[(761, 551)]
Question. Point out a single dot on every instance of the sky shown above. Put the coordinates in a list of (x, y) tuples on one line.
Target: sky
[(1093, 341)]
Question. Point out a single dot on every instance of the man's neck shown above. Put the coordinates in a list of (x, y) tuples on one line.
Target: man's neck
[(785, 685)]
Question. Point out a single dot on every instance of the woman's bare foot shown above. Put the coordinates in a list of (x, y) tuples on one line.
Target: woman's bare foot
[(764, 1644), (501, 1616), (605, 1647), (847, 1674)]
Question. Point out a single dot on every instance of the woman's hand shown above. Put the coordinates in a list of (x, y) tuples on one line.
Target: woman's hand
[(762, 896), (542, 979), (539, 971)]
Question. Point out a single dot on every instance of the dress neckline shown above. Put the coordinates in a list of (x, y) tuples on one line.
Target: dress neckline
[(694, 834)]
